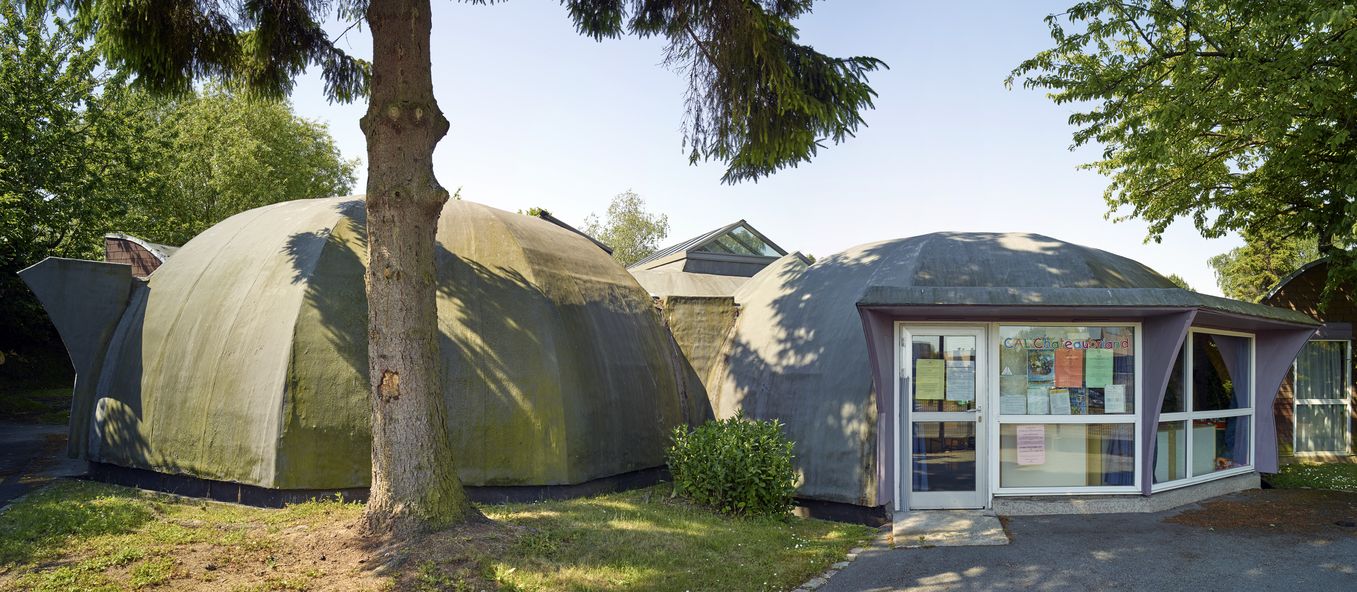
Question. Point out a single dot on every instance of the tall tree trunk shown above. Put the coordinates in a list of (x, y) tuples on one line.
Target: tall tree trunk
[(414, 480)]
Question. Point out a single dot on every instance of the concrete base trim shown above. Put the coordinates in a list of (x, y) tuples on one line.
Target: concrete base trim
[(1121, 504)]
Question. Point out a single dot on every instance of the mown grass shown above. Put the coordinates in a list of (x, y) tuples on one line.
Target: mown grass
[(1333, 476), (645, 540), (88, 536)]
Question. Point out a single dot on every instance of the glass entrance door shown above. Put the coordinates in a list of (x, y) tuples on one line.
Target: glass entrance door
[(943, 391)]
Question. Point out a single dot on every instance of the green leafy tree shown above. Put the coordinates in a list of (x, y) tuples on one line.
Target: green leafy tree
[(758, 100), (1179, 281), (631, 231), (222, 153), (61, 170), (81, 154), (1235, 114), (1248, 272)]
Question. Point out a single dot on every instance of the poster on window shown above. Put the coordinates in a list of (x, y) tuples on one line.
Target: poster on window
[(960, 381), (1097, 368), (1031, 445), (1038, 400), (1040, 366), (1069, 368), (1060, 402), (1114, 398), (928, 379), (1012, 404)]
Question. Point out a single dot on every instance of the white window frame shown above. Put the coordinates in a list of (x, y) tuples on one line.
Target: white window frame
[(1188, 414), (1346, 402), (904, 413), (996, 419)]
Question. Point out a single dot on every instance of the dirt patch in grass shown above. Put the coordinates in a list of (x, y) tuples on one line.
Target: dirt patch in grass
[(1296, 511)]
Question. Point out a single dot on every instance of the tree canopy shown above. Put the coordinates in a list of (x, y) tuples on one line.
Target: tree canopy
[(83, 154), (632, 232), (1237, 115), (1248, 272), (222, 153), (1179, 281)]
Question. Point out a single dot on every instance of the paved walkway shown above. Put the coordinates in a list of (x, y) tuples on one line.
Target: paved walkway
[(947, 528), (1116, 552), (31, 454)]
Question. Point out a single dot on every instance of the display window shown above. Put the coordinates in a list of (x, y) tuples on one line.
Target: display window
[(1067, 418), (1206, 420)]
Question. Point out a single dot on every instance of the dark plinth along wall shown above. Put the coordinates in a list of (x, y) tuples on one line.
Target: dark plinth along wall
[(242, 360), (1303, 291)]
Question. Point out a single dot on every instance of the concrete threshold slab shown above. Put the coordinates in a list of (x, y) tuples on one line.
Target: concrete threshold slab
[(947, 528)]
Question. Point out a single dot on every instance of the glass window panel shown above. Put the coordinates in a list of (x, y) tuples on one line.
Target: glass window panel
[(1220, 372), (1322, 371), (1170, 452), (946, 379), (944, 456), (1066, 455), (1067, 370), (716, 247), (758, 246), (1321, 428), (1219, 444), (1173, 391), (731, 245)]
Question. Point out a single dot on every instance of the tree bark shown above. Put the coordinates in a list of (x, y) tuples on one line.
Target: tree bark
[(414, 479)]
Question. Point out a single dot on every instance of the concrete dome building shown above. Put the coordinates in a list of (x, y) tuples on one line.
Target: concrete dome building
[(956, 370), (243, 359)]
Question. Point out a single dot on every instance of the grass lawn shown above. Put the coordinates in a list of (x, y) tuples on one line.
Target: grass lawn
[(40, 405), (89, 536), (1335, 476)]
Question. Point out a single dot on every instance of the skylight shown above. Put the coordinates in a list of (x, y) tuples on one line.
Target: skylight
[(739, 241)]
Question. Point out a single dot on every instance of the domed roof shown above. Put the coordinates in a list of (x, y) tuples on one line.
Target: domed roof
[(799, 352), (244, 358), (998, 260)]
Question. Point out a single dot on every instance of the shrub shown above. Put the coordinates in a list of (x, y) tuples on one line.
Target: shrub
[(738, 466)]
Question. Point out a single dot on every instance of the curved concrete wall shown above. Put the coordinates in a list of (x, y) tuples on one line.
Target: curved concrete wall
[(244, 357)]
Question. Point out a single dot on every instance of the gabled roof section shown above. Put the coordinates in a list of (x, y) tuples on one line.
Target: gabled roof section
[(737, 239)]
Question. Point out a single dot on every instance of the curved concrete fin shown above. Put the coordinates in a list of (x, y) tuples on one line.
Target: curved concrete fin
[(84, 299)]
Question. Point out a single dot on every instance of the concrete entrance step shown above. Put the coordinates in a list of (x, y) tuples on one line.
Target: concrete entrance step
[(947, 528)]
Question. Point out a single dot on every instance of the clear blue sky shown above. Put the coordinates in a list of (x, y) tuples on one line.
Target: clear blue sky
[(542, 116)]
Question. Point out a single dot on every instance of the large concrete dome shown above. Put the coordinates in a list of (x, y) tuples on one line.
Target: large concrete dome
[(244, 357), (799, 353)]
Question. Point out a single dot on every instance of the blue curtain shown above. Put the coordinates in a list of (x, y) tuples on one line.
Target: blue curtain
[(920, 463), (1118, 454)]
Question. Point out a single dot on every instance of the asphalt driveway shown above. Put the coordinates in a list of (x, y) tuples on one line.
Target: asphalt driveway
[(1235, 545), (28, 454)]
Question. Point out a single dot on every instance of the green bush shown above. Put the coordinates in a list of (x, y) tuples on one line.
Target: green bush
[(738, 466)]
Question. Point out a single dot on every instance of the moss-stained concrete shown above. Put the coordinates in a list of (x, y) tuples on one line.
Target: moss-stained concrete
[(701, 328), (244, 358)]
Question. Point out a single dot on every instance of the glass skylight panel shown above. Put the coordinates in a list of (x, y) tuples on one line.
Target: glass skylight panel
[(740, 241)]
